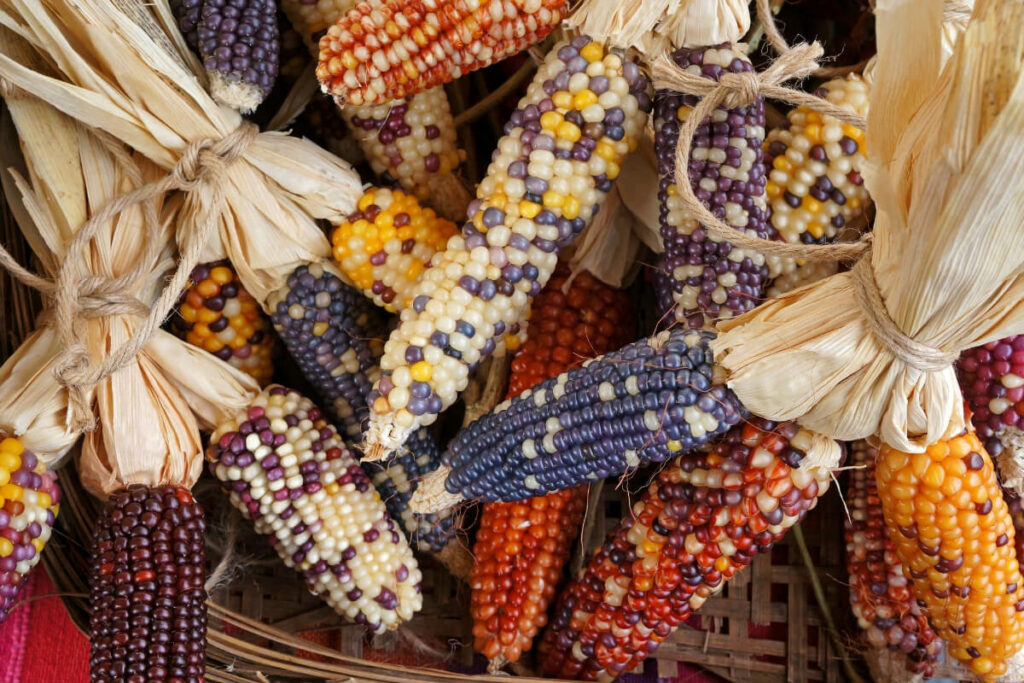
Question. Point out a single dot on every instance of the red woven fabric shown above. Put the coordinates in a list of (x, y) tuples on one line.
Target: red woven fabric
[(39, 641)]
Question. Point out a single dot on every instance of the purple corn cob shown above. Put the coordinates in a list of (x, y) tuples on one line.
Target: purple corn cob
[(286, 469), (992, 379), (712, 279)]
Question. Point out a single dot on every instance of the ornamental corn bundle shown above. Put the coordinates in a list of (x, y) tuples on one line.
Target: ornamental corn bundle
[(288, 471), (218, 315), (238, 42), (902, 645), (647, 402), (881, 361), (384, 50), (387, 243), (703, 519), (146, 588), (561, 151), (521, 548), (955, 538), (29, 502)]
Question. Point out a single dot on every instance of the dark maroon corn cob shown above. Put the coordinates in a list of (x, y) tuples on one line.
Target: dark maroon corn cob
[(712, 279), (336, 335), (992, 379), (146, 588)]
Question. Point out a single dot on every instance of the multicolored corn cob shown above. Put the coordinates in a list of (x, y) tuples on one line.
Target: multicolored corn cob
[(387, 243), (647, 402), (335, 336), (311, 18), (955, 538), (239, 44), (384, 50), (413, 142), (814, 182), (218, 315), (396, 481), (29, 503), (288, 471), (801, 275), (893, 624), (146, 587), (712, 279), (703, 519), (992, 379), (560, 153), (521, 548)]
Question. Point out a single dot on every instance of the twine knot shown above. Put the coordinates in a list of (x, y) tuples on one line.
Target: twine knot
[(742, 88), (100, 297), (206, 160)]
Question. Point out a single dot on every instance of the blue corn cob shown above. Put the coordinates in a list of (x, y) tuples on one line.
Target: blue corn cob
[(712, 279), (647, 402)]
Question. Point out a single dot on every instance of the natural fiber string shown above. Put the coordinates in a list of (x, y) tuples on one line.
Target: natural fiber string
[(78, 294)]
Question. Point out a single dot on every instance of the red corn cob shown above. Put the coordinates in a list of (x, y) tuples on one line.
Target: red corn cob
[(522, 547)]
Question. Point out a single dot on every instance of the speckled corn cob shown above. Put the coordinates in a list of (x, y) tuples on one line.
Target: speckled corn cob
[(387, 243), (239, 44), (146, 588), (703, 519), (955, 539), (412, 142), (396, 481), (335, 335), (814, 183), (647, 402), (712, 279), (312, 17), (218, 315), (892, 623), (384, 50), (29, 502), (992, 379), (560, 153), (521, 548), (288, 471)]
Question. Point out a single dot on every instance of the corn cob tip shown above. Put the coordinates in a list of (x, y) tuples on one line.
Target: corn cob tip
[(383, 438), (432, 496), (887, 665), (456, 558), (240, 95), (494, 666), (449, 195)]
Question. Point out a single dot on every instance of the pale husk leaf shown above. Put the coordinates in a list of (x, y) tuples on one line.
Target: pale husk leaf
[(949, 191), (639, 175), (608, 247), (116, 77), (652, 26)]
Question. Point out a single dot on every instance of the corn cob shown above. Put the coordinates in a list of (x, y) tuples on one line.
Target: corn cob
[(335, 336), (218, 315), (801, 275), (992, 379), (239, 44), (521, 548), (396, 481), (712, 279), (560, 153), (814, 182), (146, 587), (384, 50), (286, 469), (310, 18), (894, 627), (29, 503), (413, 142), (954, 536), (294, 55), (647, 402), (329, 129), (703, 519), (387, 243)]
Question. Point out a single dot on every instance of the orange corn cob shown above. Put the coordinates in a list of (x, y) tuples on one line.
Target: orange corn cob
[(954, 535), (384, 50), (894, 627), (522, 547)]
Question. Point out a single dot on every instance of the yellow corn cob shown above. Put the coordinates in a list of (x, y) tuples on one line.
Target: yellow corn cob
[(953, 533), (387, 243)]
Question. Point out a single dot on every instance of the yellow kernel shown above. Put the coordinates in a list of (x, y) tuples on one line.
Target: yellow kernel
[(414, 270), (561, 99), (512, 342), (813, 133), (10, 492), (773, 190), (605, 150), (583, 99), (812, 204), (817, 230), (366, 201), (221, 275), (674, 445), (552, 199), (422, 371), (571, 208), (9, 462), (526, 210), (6, 547), (612, 170), (551, 119), (12, 446), (567, 130), (592, 52)]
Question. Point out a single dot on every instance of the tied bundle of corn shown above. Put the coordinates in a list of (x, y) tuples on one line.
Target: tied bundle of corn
[(521, 548), (582, 114), (383, 50), (703, 519), (902, 645)]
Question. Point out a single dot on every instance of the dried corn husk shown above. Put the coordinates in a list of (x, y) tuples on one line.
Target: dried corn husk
[(652, 25), (117, 72), (608, 247), (945, 149), (157, 398)]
